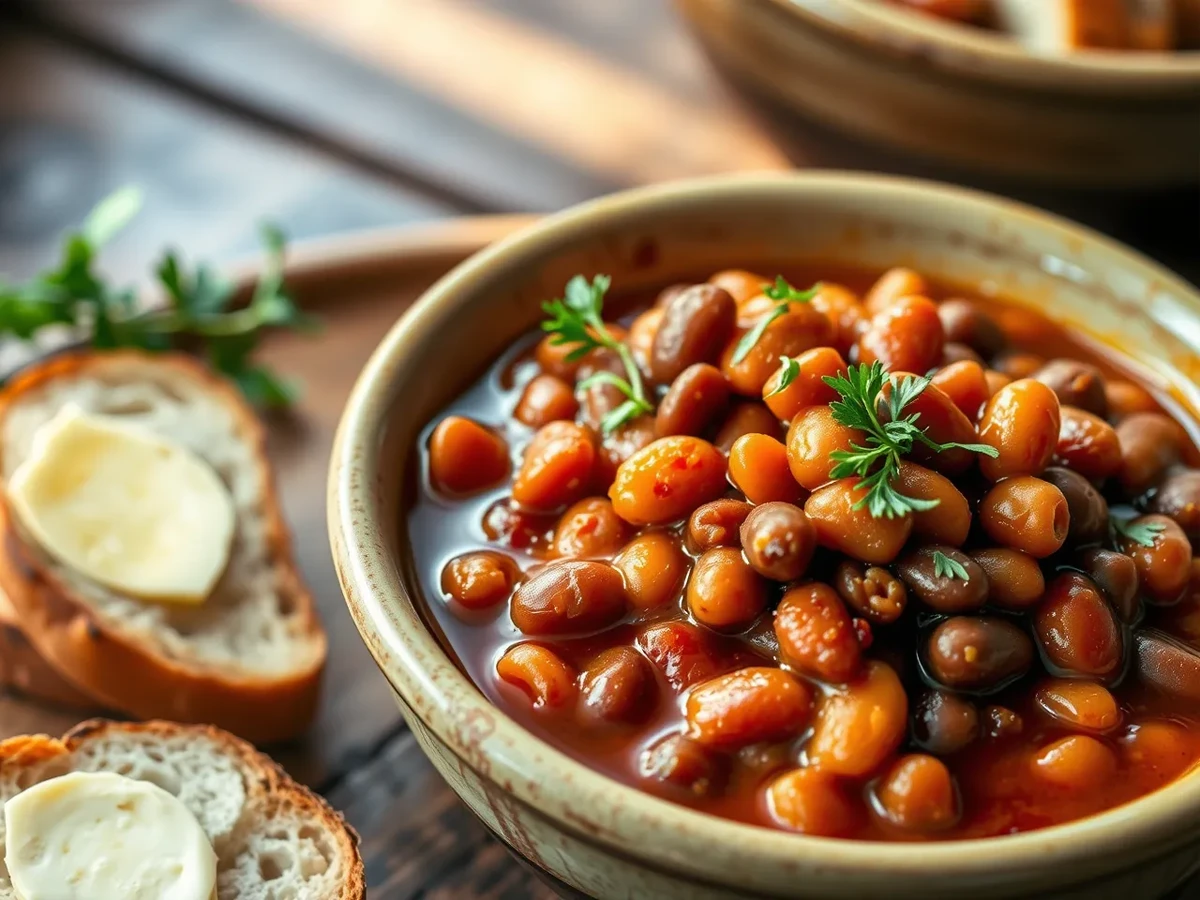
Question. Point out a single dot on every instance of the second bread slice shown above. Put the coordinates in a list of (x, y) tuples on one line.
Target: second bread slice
[(249, 658)]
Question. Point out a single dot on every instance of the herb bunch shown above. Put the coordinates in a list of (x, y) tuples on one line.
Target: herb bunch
[(577, 319), (198, 313), (877, 462), (786, 295)]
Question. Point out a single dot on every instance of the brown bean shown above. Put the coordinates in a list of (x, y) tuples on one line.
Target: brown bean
[(799, 329), (741, 284), (965, 322), (947, 523), (1087, 445), (1017, 365), (590, 528), (954, 352), (1150, 444), (1027, 514), (724, 593), (641, 338), (1117, 576), (917, 794), (808, 387), (546, 398), (599, 400), (995, 381), (681, 651), (696, 323), (1165, 567), (1001, 722), (745, 418), (891, 286), (1076, 763), (754, 704), (860, 725), (874, 593), (465, 457), (481, 579), (929, 574), (569, 597), (540, 674), (695, 399), (944, 723), (618, 446), (618, 686), (978, 654), (716, 524), (1167, 664), (665, 481), (1082, 705), (684, 765), (816, 635), (842, 308), (1077, 631), (1179, 498), (654, 566), (965, 383), (813, 436), (1015, 579), (1021, 422), (1087, 508), (810, 801), (855, 532), (1076, 383), (557, 467), (942, 422), (905, 336), (778, 540), (758, 467), (1125, 398)]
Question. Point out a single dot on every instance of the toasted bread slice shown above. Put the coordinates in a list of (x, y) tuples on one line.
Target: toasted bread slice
[(273, 837), (22, 668), (249, 658)]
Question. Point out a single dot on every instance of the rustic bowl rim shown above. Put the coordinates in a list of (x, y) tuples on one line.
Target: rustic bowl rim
[(980, 53), (429, 683)]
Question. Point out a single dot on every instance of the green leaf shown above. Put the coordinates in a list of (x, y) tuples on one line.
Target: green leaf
[(265, 389), (781, 290), (945, 567), (750, 338), (626, 412), (789, 372), (110, 215), (1139, 531)]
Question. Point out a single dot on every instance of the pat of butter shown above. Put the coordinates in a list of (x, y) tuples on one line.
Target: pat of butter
[(101, 836), (125, 507)]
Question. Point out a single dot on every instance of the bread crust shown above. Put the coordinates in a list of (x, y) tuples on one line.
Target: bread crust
[(265, 780), (23, 669), (128, 675)]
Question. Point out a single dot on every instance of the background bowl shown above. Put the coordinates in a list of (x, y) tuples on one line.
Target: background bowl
[(609, 840), (963, 95)]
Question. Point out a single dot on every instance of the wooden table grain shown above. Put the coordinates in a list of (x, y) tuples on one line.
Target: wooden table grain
[(330, 117)]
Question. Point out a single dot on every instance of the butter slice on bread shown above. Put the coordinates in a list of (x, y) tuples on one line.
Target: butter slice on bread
[(272, 837), (249, 658)]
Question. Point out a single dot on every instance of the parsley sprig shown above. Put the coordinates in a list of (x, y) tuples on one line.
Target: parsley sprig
[(877, 462), (198, 313), (789, 371), (1143, 533), (577, 319), (786, 295), (946, 567)]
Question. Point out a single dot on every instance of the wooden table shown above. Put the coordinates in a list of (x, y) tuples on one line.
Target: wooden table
[(332, 115)]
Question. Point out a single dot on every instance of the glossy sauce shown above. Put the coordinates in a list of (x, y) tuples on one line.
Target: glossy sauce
[(999, 794)]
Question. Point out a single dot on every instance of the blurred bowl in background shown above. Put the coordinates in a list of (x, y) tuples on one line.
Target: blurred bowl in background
[(964, 96)]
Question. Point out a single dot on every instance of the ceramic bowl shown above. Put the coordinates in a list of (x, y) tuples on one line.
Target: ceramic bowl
[(594, 834), (963, 95)]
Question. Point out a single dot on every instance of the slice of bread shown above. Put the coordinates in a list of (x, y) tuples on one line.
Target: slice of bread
[(249, 658), (24, 669), (273, 838)]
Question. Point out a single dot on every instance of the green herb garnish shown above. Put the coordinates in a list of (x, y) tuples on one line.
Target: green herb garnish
[(1143, 533), (945, 567), (789, 368), (197, 314), (786, 295), (576, 319), (877, 463)]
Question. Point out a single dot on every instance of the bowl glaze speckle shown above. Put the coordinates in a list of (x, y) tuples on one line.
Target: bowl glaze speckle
[(609, 840)]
